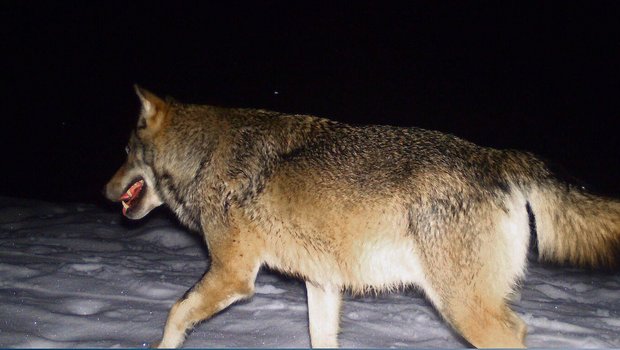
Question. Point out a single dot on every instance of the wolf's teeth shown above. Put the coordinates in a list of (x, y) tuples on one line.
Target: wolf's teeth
[(125, 205)]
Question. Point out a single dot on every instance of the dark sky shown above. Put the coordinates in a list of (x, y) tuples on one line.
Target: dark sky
[(539, 76)]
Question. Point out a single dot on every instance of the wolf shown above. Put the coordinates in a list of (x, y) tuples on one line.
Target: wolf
[(356, 208)]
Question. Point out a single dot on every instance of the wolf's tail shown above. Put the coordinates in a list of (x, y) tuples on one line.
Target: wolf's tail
[(574, 226)]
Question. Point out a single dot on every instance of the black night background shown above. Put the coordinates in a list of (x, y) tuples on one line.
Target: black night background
[(538, 76)]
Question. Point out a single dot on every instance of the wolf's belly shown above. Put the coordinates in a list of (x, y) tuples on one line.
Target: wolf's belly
[(370, 252)]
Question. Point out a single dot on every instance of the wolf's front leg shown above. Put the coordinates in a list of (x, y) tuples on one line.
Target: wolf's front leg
[(323, 315), (230, 278)]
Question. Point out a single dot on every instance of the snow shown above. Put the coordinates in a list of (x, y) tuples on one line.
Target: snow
[(76, 275)]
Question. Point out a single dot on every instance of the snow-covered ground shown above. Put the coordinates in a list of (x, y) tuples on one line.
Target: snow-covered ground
[(81, 276)]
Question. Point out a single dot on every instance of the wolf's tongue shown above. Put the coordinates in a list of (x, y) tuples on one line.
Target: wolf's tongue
[(131, 195)]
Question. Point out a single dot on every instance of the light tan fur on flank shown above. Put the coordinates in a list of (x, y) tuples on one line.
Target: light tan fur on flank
[(356, 208)]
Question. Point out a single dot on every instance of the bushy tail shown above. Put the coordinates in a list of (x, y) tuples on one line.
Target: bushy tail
[(576, 227)]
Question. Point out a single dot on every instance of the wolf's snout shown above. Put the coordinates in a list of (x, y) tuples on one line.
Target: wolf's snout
[(114, 188), (109, 193)]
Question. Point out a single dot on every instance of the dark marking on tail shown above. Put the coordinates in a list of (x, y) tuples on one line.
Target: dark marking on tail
[(533, 233)]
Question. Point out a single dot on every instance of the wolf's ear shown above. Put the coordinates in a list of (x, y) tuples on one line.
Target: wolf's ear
[(153, 109)]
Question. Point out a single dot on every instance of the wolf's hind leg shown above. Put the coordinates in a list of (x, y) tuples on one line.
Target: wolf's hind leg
[(323, 315), (485, 324), (477, 261)]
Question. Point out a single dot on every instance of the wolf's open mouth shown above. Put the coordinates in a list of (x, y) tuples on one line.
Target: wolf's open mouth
[(132, 195)]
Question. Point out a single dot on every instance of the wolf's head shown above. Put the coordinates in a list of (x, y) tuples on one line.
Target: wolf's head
[(134, 183)]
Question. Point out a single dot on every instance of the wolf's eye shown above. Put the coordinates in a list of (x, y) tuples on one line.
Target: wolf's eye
[(127, 149)]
